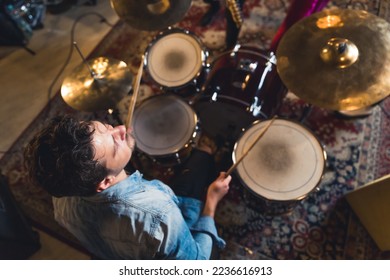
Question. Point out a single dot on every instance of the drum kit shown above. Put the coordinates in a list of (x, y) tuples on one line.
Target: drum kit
[(334, 59)]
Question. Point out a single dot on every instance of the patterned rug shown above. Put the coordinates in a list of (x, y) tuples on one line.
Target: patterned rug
[(322, 225)]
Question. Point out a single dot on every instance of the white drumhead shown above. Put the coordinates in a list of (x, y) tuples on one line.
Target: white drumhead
[(175, 59), (163, 125), (285, 164)]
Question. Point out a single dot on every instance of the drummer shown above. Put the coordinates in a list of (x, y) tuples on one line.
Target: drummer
[(117, 215)]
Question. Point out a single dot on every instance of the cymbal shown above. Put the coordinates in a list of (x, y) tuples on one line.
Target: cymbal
[(98, 84), (337, 59), (151, 14)]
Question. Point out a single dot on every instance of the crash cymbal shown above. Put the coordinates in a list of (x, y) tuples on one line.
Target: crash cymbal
[(151, 14), (337, 59), (98, 85)]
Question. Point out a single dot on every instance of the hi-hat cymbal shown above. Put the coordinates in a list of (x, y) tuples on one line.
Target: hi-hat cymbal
[(151, 14), (337, 59), (98, 85)]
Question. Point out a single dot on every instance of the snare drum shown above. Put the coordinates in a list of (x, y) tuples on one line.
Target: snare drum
[(284, 166), (242, 86), (176, 61), (165, 128)]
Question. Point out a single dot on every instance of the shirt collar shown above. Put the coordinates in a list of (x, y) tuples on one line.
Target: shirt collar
[(132, 184)]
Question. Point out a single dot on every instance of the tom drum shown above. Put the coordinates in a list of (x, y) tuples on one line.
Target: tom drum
[(176, 61), (165, 128)]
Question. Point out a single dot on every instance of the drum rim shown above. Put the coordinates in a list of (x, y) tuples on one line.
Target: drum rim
[(172, 30), (194, 118), (267, 55), (301, 197)]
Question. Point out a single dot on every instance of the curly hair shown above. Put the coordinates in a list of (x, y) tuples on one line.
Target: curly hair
[(60, 158)]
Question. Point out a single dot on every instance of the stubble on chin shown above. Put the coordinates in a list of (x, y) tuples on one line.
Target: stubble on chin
[(130, 141)]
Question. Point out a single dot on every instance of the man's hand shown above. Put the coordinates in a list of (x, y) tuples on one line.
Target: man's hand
[(216, 191)]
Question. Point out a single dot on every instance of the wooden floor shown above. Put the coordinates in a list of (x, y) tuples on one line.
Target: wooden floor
[(25, 80)]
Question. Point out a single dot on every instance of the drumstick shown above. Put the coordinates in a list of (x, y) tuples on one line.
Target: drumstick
[(133, 100), (250, 148)]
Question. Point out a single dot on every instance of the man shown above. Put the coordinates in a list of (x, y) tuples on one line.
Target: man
[(117, 215)]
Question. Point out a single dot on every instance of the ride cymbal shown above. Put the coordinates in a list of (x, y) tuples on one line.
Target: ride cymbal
[(151, 14), (99, 85), (337, 59)]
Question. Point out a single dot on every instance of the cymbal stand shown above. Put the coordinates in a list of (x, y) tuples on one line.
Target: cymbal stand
[(305, 112), (93, 74)]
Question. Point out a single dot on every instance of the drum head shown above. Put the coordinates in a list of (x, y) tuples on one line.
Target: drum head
[(285, 164), (175, 59), (163, 125)]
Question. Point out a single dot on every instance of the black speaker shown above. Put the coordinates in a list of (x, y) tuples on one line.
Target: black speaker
[(14, 30), (18, 240)]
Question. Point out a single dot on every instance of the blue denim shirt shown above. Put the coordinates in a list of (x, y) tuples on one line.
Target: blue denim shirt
[(139, 219)]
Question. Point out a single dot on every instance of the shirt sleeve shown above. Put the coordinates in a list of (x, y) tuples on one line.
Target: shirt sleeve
[(206, 224), (187, 238), (191, 210)]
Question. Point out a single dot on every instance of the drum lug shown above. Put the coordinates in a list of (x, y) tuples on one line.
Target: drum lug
[(247, 65), (272, 58), (214, 96), (256, 107), (178, 159)]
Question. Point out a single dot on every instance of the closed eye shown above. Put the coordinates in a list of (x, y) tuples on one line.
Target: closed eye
[(115, 146)]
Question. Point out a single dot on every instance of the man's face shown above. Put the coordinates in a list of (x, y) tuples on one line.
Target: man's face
[(113, 146)]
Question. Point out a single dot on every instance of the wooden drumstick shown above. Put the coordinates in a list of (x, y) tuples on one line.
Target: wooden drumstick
[(137, 83), (231, 169)]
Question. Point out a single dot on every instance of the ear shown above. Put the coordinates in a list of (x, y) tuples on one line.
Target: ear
[(105, 183)]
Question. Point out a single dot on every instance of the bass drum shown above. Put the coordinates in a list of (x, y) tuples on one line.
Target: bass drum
[(242, 86)]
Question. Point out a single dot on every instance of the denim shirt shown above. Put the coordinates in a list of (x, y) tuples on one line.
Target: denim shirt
[(139, 219)]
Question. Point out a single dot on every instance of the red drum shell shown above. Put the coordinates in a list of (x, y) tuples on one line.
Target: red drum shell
[(243, 85)]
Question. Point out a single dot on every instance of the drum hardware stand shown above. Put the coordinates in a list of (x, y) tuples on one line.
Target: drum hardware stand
[(93, 74), (112, 112), (234, 21), (305, 112), (235, 11)]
